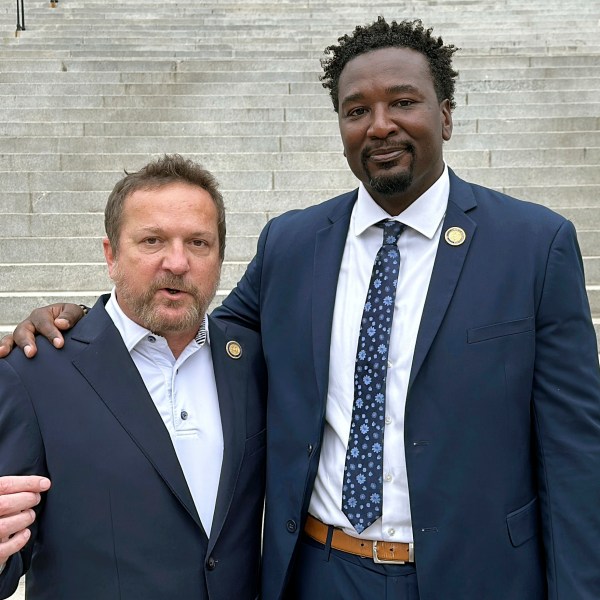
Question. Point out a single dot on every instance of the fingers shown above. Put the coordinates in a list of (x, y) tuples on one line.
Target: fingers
[(18, 495), (43, 321), (68, 315), (48, 321), (24, 338), (13, 504), (14, 533), (15, 523), (13, 544), (6, 345), (14, 484)]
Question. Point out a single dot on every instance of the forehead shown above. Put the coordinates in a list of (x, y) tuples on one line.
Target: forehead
[(387, 67), (175, 203)]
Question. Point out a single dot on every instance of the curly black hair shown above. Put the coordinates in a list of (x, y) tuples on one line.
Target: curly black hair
[(380, 34)]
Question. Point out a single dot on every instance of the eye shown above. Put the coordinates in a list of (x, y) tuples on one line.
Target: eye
[(151, 241), (404, 103), (357, 112), (199, 243)]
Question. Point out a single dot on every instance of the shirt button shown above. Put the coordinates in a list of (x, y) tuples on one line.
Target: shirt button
[(387, 477), (391, 531), (151, 339), (388, 420), (184, 415), (389, 364)]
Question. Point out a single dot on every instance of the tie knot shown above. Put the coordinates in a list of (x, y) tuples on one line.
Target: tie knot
[(391, 231)]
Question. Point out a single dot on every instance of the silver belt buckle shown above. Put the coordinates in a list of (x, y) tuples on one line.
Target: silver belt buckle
[(411, 556)]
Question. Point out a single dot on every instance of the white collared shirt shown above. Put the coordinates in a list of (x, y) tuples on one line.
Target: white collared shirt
[(185, 394), (417, 246)]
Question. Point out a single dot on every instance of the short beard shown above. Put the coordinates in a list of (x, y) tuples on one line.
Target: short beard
[(146, 310), (393, 184)]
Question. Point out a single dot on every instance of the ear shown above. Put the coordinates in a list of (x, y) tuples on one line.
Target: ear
[(446, 116), (109, 256)]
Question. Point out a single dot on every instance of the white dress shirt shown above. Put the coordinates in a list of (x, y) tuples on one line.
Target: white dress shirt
[(185, 394), (417, 246)]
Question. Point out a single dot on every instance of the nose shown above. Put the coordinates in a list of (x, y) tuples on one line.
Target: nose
[(381, 125), (175, 259)]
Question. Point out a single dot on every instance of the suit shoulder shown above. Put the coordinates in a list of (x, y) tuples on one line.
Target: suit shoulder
[(508, 210), (45, 351), (49, 357), (316, 213), (504, 203)]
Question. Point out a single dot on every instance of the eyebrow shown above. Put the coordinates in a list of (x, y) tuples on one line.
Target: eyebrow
[(151, 229), (391, 90), (157, 229)]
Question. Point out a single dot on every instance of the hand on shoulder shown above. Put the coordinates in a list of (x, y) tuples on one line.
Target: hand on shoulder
[(48, 321)]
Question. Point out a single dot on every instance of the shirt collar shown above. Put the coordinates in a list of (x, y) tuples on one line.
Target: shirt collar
[(423, 215), (133, 334)]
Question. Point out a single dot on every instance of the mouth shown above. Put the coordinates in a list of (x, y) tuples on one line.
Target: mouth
[(386, 155), (172, 292)]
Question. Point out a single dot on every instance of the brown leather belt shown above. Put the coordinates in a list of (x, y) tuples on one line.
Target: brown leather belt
[(380, 552)]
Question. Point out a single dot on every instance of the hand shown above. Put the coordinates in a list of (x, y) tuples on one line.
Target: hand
[(17, 497), (48, 321)]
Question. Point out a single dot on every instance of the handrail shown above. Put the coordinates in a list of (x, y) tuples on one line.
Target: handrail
[(20, 17)]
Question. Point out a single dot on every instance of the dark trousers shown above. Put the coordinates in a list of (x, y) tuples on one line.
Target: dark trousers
[(323, 573)]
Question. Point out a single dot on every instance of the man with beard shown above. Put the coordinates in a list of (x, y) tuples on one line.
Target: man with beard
[(150, 423), (434, 391)]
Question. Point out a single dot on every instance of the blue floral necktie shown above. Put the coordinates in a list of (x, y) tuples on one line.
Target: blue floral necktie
[(362, 493)]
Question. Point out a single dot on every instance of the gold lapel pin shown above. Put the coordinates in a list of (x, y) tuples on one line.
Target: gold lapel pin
[(455, 236), (234, 350)]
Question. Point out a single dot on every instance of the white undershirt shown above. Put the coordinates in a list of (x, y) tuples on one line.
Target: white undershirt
[(417, 246), (185, 394)]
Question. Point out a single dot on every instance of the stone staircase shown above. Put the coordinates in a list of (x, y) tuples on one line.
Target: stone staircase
[(94, 87)]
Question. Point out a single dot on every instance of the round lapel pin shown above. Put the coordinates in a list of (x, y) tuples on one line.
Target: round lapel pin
[(455, 236), (233, 349)]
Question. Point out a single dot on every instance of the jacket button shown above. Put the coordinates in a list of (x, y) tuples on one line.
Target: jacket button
[(211, 563), (291, 526)]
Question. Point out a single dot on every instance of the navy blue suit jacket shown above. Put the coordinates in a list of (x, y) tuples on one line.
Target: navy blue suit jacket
[(119, 520), (502, 420)]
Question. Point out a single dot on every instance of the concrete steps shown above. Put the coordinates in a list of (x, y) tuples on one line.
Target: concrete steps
[(92, 88), (461, 142)]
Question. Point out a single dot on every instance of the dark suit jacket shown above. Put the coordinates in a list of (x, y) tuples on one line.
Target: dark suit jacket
[(119, 521), (502, 421)]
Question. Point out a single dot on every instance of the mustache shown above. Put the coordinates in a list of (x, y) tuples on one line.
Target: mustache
[(174, 282)]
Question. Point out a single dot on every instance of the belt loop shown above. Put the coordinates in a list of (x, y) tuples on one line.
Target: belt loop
[(327, 549)]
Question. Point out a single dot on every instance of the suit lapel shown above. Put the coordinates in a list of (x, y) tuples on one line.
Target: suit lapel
[(329, 249), (448, 265), (108, 368), (231, 378)]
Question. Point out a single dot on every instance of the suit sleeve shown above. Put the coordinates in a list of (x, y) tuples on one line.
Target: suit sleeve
[(566, 412), (242, 306), (21, 453)]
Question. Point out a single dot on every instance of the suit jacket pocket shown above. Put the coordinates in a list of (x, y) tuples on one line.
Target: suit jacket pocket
[(488, 332), (256, 442), (523, 523)]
